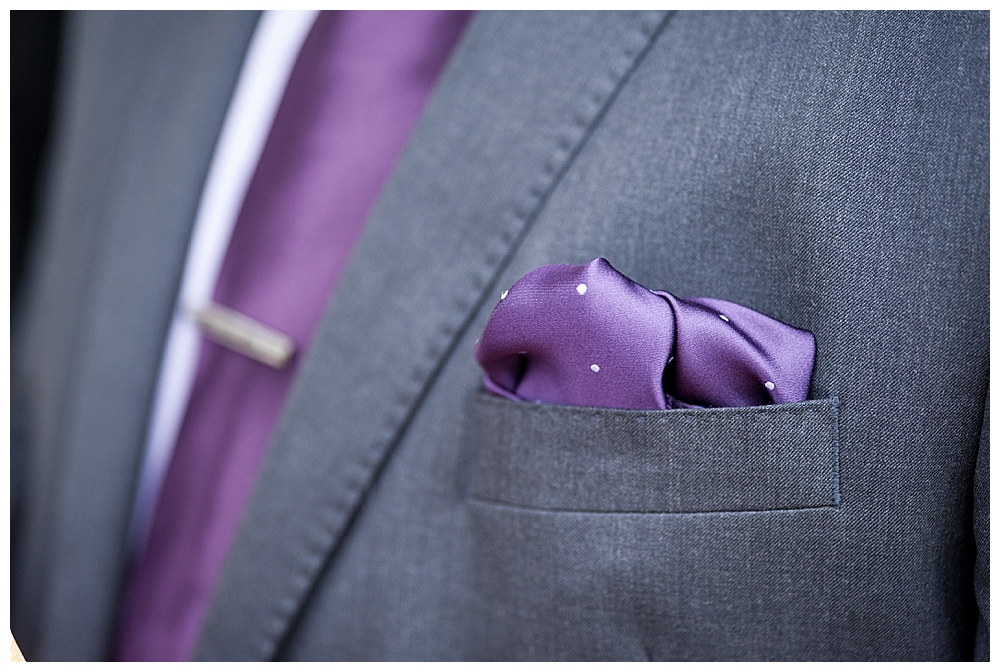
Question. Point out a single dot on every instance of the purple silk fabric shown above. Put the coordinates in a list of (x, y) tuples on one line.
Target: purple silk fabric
[(589, 336), (357, 90)]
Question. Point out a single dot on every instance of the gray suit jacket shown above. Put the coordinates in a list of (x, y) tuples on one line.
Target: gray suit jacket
[(830, 170)]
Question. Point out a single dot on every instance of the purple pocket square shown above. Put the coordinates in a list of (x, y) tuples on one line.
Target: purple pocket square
[(589, 336)]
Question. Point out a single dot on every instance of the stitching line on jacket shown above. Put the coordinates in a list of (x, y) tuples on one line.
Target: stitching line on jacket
[(590, 512), (814, 407), (835, 438)]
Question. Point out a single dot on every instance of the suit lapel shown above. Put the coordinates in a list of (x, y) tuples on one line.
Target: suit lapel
[(519, 98), (135, 182)]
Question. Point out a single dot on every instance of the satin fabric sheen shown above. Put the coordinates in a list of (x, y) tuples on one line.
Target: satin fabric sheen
[(589, 336), (354, 96)]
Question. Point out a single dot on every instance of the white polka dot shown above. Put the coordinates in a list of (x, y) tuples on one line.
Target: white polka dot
[(671, 359), (726, 319), (769, 385), (504, 295), (581, 289), (595, 368)]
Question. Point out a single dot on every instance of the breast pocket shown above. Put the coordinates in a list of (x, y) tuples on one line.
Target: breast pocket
[(568, 458)]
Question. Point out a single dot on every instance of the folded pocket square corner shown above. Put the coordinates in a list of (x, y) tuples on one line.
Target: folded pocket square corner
[(589, 336)]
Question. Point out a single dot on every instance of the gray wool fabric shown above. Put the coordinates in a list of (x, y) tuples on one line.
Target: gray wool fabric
[(830, 170), (139, 114)]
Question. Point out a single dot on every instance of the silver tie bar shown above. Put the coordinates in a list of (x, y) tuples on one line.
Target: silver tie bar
[(244, 335)]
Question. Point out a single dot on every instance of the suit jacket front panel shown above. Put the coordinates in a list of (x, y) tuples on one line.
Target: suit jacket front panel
[(769, 182), (769, 159)]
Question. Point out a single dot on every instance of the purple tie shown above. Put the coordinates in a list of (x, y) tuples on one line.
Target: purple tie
[(357, 90), (589, 336)]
